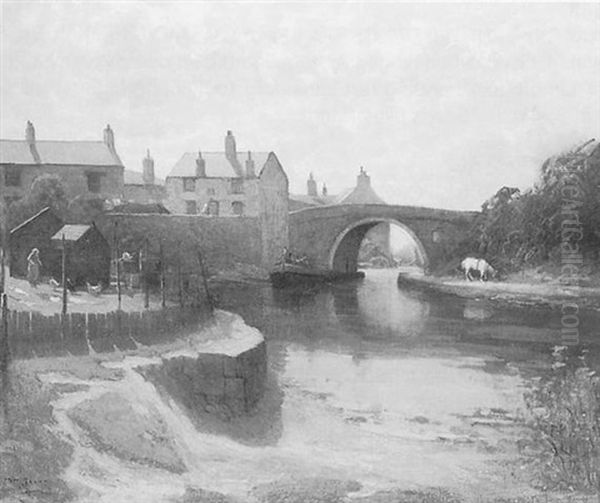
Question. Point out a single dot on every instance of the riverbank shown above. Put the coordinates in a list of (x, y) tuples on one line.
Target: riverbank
[(551, 292), (62, 416)]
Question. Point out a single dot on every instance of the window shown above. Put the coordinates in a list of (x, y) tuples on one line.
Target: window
[(12, 177), (237, 186), (191, 208), (213, 208), (189, 184), (210, 191), (237, 208), (94, 182)]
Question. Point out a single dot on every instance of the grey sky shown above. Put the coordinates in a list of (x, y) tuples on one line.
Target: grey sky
[(442, 104)]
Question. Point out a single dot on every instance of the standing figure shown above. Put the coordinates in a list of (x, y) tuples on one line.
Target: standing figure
[(33, 267)]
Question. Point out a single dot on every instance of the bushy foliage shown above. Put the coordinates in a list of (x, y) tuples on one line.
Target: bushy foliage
[(46, 190), (565, 409), (525, 229)]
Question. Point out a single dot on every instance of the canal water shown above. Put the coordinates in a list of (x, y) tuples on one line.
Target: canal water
[(395, 388), (367, 383)]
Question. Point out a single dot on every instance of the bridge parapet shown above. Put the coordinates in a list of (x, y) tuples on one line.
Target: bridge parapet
[(331, 235)]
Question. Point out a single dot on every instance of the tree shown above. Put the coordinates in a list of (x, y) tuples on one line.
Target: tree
[(46, 190)]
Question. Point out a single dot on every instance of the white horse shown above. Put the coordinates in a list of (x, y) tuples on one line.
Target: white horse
[(478, 265)]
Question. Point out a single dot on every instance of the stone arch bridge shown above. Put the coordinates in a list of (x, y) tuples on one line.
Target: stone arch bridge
[(331, 235)]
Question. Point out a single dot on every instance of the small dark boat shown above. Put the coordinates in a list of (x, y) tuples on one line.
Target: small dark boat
[(294, 275)]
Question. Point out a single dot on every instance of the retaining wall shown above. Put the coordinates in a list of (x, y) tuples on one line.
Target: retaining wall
[(215, 382)]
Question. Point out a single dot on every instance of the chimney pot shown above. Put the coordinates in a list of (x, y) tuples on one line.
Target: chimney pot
[(148, 169), (30, 133), (250, 167), (109, 137), (200, 166), (311, 186)]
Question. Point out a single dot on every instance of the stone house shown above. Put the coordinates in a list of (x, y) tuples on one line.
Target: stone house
[(217, 184), (86, 168)]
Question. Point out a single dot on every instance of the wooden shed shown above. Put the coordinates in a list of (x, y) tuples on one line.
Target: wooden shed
[(88, 255), (35, 232)]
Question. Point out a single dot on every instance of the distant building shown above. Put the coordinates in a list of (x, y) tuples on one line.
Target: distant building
[(222, 184), (86, 168), (144, 187), (362, 193)]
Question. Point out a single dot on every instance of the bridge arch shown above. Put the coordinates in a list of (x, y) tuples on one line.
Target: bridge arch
[(343, 254)]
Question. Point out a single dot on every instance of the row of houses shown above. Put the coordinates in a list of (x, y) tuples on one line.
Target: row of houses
[(224, 183), (228, 183)]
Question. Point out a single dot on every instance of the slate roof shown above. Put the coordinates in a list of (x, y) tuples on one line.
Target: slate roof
[(72, 232), (83, 153), (217, 165), (137, 178)]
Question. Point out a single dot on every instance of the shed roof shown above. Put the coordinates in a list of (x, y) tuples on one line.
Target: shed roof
[(83, 153), (72, 232), (217, 165), (31, 219)]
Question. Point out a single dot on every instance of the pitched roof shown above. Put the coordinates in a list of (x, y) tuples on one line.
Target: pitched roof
[(72, 232), (15, 152), (359, 195), (217, 165), (84, 153), (137, 178), (31, 219)]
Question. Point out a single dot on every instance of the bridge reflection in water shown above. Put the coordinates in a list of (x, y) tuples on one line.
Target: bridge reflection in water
[(383, 385)]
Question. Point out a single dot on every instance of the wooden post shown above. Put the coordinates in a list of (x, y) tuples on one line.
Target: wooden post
[(4, 361), (145, 276), (163, 297), (209, 297), (4, 233), (117, 265), (179, 285), (64, 275)]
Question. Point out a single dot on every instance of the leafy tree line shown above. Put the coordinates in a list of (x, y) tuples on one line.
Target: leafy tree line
[(560, 212), (48, 191)]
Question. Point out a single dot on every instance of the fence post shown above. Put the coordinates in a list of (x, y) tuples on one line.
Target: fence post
[(179, 286), (4, 360), (209, 297), (163, 298), (145, 276), (117, 265), (64, 275)]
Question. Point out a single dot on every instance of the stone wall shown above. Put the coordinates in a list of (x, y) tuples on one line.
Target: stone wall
[(223, 241), (274, 211), (216, 382)]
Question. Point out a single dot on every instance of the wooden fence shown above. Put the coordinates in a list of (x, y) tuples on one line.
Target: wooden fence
[(32, 334)]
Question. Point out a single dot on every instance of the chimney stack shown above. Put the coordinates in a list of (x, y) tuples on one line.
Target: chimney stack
[(148, 169), (200, 166), (30, 134), (311, 186), (250, 168), (363, 180), (231, 154), (30, 139), (109, 138)]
